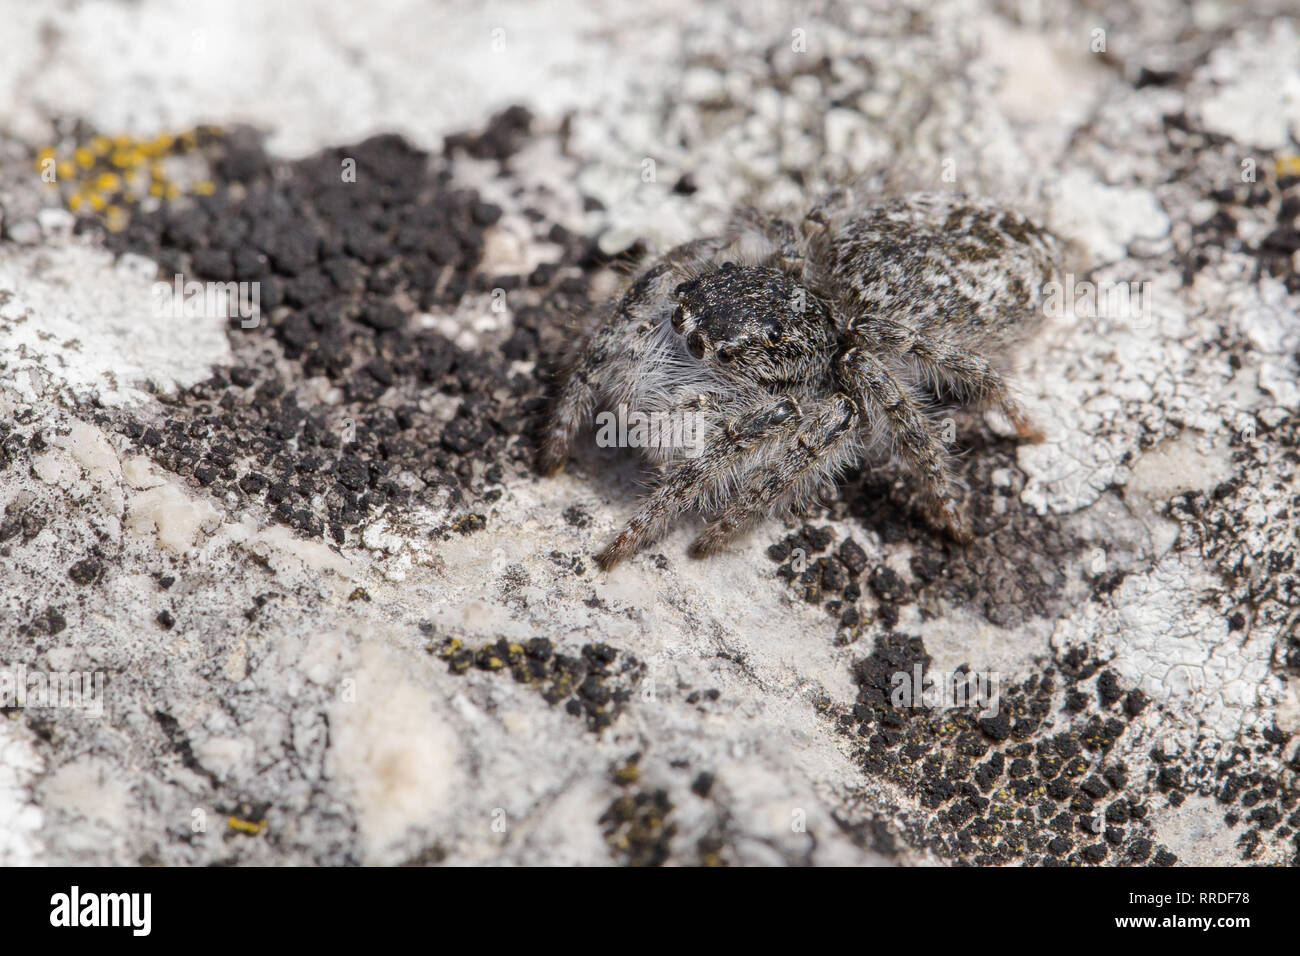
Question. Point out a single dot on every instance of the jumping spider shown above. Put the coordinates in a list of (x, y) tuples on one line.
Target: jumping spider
[(806, 346)]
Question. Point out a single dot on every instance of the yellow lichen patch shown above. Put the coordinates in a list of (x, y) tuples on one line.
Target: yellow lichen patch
[(1287, 166), (252, 828), (163, 144), (125, 159), (111, 175), (628, 773), (468, 523), (115, 218)]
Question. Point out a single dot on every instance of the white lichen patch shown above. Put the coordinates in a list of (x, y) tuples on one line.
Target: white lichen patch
[(20, 765), (390, 751), (73, 323), (1161, 636), (1251, 87), (1104, 218)]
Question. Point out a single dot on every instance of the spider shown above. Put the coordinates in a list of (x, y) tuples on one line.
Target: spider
[(804, 347)]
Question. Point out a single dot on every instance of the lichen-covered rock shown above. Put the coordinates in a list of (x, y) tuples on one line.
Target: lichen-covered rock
[(281, 586)]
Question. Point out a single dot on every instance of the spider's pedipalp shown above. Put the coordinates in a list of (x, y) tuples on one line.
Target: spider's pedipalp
[(709, 479), (822, 442)]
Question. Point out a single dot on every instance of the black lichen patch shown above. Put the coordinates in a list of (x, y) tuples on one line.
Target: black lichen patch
[(429, 856), (1016, 567), (571, 563), (179, 743), (820, 574), (504, 135), (1260, 593), (343, 248), (1025, 781), (87, 571), (1257, 564), (1263, 195), (47, 622), (637, 825), (1255, 785), (576, 517), (595, 684)]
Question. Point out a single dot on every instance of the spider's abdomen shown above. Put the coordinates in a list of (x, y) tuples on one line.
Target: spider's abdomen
[(940, 263)]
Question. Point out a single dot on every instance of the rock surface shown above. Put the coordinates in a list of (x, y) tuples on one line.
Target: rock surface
[(335, 618)]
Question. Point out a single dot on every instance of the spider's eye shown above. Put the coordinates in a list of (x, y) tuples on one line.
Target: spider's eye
[(695, 344), (725, 356), (679, 319)]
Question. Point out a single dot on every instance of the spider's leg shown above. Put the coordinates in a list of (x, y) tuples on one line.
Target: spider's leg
[(966, 374), (575, 398), (816, 220), (734, 520), (694, 481), (810, 454), (573, 403), (915, 437), (779, 239)]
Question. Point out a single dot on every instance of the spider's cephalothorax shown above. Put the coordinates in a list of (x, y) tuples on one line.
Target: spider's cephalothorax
[(755, 326), (794, 352)]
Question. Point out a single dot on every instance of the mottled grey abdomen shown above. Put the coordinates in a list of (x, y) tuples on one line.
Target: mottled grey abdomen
[(939, 263)]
